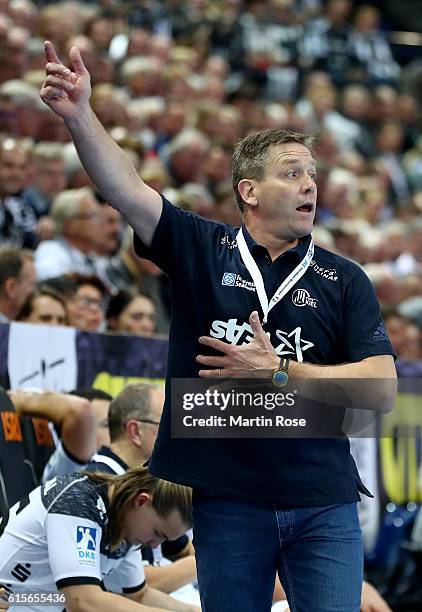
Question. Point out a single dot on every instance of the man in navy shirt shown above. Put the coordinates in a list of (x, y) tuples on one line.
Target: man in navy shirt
[(262, 301)]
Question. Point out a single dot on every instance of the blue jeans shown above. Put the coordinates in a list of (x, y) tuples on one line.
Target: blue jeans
[(317, 553)]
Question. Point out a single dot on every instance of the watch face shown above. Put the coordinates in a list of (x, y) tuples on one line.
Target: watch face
[(280, 378)]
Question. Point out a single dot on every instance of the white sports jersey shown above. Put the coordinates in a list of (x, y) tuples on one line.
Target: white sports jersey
[(61, 463), (56, 538)]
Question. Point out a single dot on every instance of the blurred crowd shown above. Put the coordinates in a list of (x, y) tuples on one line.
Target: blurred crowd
[(176, 84)]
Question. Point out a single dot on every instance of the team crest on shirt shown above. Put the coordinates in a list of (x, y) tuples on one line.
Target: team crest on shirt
[(302, 297), (231, 279), (86, 544)]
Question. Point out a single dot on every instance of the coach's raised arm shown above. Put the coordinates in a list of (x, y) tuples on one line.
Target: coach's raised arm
[(67, 93)]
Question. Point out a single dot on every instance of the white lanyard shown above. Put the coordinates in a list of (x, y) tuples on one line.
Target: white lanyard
[(285, 286)]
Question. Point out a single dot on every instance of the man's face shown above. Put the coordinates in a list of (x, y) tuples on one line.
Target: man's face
[(149, 430), (48, 311), (25, 284), (144, 526), (50, 177), (84, 226), (100, 408), (286, 197), (109, 235), (86, 308), (13, 166)]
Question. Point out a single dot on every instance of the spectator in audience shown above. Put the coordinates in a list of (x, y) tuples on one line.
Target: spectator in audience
[(17, 220), (389, 144), (371, 46), (410, 348), (45, 306), (26, 113), (326, 44), (129, 272), (131, 313), (410, 260), (49, 178), (17, 281), (75, 214), (186, 155), (85, 297), (109, 231)]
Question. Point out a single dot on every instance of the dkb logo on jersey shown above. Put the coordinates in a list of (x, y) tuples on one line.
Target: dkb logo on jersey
[(85, 544)]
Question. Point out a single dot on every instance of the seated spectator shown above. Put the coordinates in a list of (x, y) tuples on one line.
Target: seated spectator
[(49, 178), (23, 97), (17, 281), (44, 306), (18, 224), (326, 44), (395, 325), (131, 313), (128, 271), (389, 157), (75, 214), (412, 345), (186, 155), (109, 231), (85, 298), (371, 46)]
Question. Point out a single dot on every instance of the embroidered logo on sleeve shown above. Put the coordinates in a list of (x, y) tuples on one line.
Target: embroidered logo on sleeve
[(380, 334)]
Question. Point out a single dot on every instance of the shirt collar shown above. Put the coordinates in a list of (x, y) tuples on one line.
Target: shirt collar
[(3, 318), (298, 252), (107, 452)]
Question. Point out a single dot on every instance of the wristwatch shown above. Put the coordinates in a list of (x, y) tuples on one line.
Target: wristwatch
[(280, 376)]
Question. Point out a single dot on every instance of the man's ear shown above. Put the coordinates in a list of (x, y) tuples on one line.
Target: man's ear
[(141, 499), (132, 432), (247, 190), (9, 286)]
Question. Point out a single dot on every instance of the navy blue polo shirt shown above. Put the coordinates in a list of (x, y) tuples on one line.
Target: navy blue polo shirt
[(330, 316)]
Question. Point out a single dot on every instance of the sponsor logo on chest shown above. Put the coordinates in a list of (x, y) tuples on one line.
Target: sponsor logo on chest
[(328, 273), (231, 279)]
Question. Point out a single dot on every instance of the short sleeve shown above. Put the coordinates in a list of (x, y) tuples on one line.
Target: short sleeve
[(364, 333), (178, 237), (128, 576), (171, 548), (73, 549)]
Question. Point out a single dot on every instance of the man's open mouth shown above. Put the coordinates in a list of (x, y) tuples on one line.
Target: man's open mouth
[(305, 208)]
